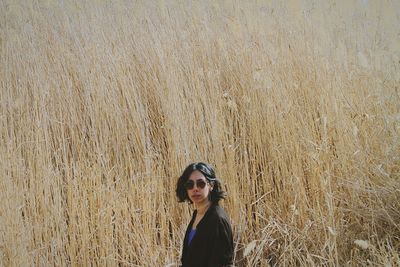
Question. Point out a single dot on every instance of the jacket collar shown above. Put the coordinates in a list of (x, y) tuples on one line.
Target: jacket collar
[(206, 215)]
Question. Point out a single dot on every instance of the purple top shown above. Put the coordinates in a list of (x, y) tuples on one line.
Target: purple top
[(191, 235)]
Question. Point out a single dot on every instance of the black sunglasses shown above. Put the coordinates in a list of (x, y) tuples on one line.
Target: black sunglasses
[(199, 183)]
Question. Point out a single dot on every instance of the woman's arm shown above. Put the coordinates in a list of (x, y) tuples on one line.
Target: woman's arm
[(221, 253)]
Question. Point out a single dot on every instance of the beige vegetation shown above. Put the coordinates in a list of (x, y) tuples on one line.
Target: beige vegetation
[(296, 105)]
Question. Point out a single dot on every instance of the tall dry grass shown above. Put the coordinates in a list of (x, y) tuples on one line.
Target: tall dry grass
[(103, 104)]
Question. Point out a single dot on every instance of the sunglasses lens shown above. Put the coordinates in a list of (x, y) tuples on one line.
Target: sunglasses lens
[(201, 184), (189, 185)]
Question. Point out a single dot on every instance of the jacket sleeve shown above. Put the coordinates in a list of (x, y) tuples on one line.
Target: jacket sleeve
[(222, 248)]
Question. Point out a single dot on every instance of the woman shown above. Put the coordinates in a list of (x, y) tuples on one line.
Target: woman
[(208, 240)]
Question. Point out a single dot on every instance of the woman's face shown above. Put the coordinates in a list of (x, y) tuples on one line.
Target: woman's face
[(197, 194)]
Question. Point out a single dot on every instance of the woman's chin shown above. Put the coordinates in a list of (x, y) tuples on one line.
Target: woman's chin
[(197, 199)]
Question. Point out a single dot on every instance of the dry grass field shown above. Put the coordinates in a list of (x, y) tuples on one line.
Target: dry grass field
[(295, 103)]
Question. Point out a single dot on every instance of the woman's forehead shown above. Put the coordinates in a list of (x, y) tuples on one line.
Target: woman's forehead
[(195, 175)]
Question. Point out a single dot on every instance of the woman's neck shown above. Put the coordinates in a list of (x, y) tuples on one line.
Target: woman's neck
[(203, 207)]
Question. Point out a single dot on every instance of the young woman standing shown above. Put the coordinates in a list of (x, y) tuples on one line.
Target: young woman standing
[(208, 239)]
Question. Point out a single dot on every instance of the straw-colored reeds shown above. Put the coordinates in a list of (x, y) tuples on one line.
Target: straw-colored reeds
[(103, 103)]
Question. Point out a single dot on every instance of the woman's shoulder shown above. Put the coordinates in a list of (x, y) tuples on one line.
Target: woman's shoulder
[(218, 213)]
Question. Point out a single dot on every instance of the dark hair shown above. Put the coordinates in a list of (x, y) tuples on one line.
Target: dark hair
[(215, 195)]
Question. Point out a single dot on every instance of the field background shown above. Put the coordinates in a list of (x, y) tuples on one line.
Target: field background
[(295, 103)]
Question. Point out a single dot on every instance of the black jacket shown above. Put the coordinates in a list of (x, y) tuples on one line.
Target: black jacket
[(212, 245)]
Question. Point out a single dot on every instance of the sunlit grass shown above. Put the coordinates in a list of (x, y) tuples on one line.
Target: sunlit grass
[(102, 106)]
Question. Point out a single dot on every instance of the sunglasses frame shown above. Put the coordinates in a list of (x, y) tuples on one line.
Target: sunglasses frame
[(200, 183)]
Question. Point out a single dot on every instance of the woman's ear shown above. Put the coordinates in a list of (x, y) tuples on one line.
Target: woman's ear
[(211, 186)]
